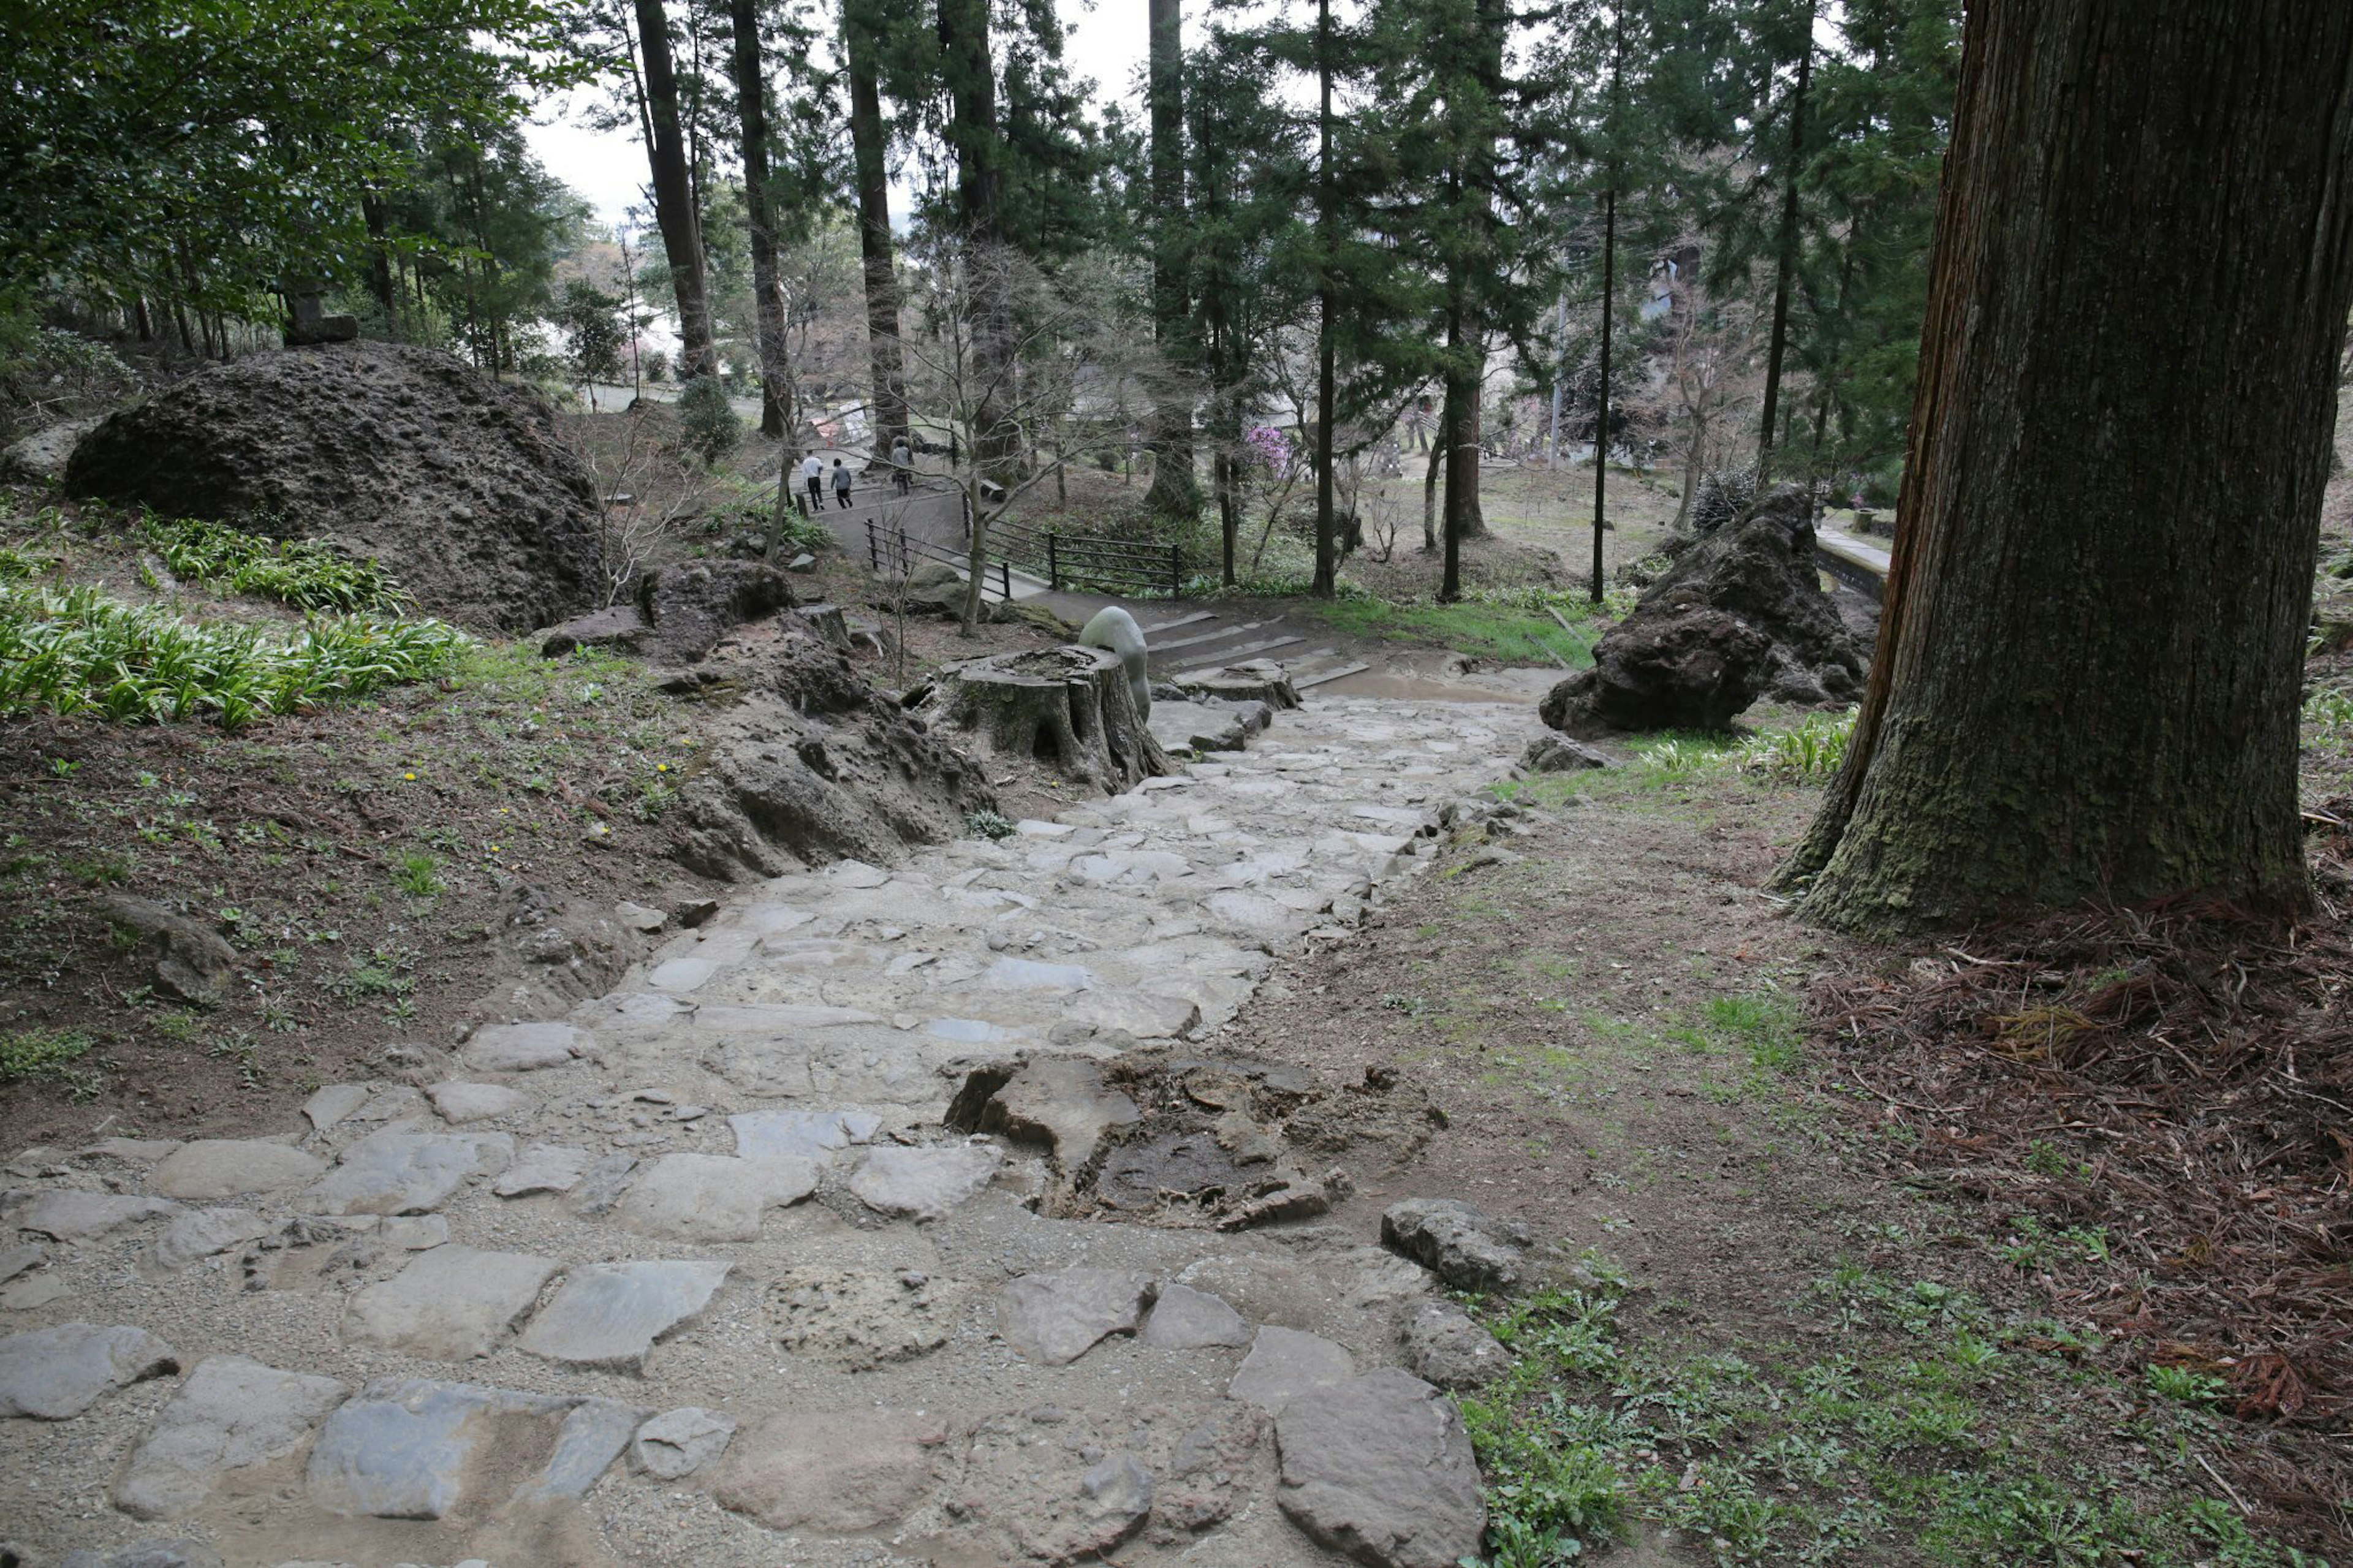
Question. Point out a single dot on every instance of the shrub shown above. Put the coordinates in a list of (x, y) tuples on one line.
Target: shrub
[(308, 576), (81, 651), (707, 422)]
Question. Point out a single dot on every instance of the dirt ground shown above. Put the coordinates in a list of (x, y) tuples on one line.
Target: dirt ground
[(1786, 1333)]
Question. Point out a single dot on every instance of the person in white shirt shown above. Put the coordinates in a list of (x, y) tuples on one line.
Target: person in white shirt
[(813, 475)]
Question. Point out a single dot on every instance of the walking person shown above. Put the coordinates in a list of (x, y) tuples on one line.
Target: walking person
[(841, 484), (902, 462), (813, 476)]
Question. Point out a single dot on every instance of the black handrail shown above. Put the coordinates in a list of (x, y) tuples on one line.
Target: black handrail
[(891, 552)]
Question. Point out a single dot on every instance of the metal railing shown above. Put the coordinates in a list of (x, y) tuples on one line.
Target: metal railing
[(891, 551), (1079, 562)]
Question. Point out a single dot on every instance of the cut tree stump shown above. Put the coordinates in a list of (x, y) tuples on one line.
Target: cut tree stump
[(1069, 708), (1253, 680)]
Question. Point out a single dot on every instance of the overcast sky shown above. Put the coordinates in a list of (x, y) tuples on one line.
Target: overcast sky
[(1106, 43)]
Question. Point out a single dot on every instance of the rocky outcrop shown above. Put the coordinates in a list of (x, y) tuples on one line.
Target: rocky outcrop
[(1686, 670), (462, 485), (1740, 614)]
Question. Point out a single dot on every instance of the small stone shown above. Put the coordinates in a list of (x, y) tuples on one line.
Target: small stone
[(1139, 1013), (85, 1217), (714, 1197), (1183, 1319), (861, 1318), (230, 1413), (603, 1184), (677, 1443), (1284, 1364), (1380, 1469), (543, 1168), (24, 1295), (16, 1260), (608, 1315), (407, 1449), (1119, 1496), (450, 1304), (1558, 753), (333, 1103), (459, 1103), (149, 1554), (638, 918), (526, 1048), (835, 1473), (54, 1374), (414, 1232), (682, 974), (923, 1184), (407, 1173), (1444, 1347), (1466, 1248), (131, 1150), (1053, 1318), (693, 913), (200, 1233), (811, 1134)]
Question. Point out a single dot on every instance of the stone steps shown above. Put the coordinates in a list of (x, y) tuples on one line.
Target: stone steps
[(701, 1272)]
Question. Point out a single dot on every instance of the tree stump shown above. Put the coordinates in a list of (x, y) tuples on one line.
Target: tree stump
[(1069, 708)]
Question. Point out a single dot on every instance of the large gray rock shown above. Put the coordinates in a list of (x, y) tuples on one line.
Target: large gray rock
[(450, 1304), (43, 454), (231, 1413), (86, 1217), (1054, 1319), (407, 1173), (693, 604), (1381, 1468), (1443, 1346), (1183, 1319), (526, 1048), (837, 1473), (811, 1134), (55, 1375), (1058, 1101), (923, 1184), (420, 1449), (227, 1168), (1558, 754), (714, 1197), (459, 1103), (190, 963), (199, 1233), (677, 1443), (1284, 1364), (1467, 1249), (609, 1314)]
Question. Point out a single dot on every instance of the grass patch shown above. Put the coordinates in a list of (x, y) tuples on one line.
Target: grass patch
[(418, 873), (34, 1054), (1508, 628), (1765, 1025), (81, 651), (308, 576), (1915, 1438)]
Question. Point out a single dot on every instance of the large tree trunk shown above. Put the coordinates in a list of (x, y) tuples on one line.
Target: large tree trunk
[(1785, 262), (1601, 413), (379, 226), (767, 302), (1175, 492), (1069, 708), (868, 150), (674, 208), (2087, 675), (980, 180)]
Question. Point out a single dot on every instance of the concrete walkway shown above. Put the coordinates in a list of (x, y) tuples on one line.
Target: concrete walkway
[(897, 1215)]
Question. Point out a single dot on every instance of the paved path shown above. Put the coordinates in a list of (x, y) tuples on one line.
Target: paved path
[(701, 1275)]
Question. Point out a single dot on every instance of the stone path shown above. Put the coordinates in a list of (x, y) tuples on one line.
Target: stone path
[(894, 1216)]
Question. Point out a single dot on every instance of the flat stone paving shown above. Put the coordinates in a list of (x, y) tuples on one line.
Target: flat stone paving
[(699, 1273)]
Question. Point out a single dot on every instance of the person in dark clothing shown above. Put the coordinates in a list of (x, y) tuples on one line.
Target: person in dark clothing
[(841, 484)]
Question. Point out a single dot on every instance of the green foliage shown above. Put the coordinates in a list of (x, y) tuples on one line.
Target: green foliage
[(307, 575), (1765, 1025), (590, 320), (418, 873), (30, 1053), (81, 651), (2329, 708), (708, 426), (988, 825), (1512, 627), (1810, 752), (2186, 1384), (204, 149)]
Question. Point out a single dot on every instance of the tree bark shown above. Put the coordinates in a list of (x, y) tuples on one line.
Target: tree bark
[(378, 221), (1327, 555), (1458, 426), (1175, 492), (1601, 415), (1069, 708), (2087, 675), (674, 208), (980, 180), (1785, 260), (869, 151), (768, 303)]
